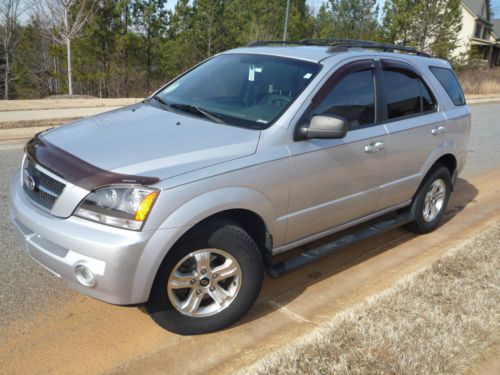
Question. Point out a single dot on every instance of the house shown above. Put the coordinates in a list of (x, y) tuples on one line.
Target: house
[(480, 34)]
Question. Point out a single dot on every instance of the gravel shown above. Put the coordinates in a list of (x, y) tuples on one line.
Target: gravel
[(484, 147), (25, 287)]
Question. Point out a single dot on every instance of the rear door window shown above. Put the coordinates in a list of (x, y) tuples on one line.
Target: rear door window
[(406, 94), (428, 103), (450, 83), (402, 92)]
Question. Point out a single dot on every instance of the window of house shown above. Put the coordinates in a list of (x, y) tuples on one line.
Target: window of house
[(479, 29), (353, 98), (450, 83), (485, 33)]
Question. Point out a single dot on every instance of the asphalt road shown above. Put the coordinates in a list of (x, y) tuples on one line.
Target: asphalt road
[(25, 287), (27, 290)]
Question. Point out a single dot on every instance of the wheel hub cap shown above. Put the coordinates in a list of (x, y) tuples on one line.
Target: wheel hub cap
[(434, 200), (204, 282)]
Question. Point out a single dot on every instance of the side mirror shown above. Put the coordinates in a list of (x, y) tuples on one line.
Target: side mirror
[(325, 127)]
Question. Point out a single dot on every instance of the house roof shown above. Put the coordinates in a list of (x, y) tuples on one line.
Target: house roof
[(474, 5), (476, 8), (496, 28)]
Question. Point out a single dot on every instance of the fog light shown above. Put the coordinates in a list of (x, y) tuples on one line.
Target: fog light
[(84, 275)]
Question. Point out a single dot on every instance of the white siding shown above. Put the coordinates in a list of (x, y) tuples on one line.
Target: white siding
[(466, 33)]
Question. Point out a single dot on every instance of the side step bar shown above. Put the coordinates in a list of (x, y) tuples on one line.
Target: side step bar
[(310, 256)]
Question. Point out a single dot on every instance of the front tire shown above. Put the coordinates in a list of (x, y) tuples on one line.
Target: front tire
[(430, 202), (207, 281)]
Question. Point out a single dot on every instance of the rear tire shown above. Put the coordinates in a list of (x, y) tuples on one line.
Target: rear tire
[(218, 267), (430, 202)]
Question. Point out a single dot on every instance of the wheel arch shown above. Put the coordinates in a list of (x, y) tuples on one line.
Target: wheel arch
[(448, 160), (251, 222), (254, 214)]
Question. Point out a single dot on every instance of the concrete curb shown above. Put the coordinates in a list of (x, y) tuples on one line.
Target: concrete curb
[(24, 133), (20, 133), (49, 114), (480, 100)]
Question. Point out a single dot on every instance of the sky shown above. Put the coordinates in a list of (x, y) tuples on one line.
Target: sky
[(315, 4), (495, 4)]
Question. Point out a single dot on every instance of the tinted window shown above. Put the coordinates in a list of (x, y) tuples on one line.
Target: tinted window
[(428, 103), (245, 90), (450, 83), (352, 98), (402, 90)]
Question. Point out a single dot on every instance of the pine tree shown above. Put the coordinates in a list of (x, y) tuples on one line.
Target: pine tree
[(430, 26), (356, 19), (150, 19)]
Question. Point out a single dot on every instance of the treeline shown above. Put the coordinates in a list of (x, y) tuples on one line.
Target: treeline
[(127, 48)]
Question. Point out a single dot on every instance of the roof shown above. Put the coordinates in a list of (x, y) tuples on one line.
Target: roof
[(309, 53), (474, 5), (318, 53), (496, 28)]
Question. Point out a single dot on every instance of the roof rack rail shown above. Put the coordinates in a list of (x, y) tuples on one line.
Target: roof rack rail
[(384, 47), (261, 43), (334, 41), (340, 45)]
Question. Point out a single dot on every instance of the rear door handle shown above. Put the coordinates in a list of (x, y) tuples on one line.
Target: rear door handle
[(438, 130), (375, 146)]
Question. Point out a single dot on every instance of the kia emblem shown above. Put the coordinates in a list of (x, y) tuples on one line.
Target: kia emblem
[(29, 181)]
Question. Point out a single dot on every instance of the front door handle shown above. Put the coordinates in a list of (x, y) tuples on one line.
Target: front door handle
[(438, 130), (375, 146)]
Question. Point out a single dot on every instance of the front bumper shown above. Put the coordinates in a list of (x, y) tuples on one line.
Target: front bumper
[(124, 262)]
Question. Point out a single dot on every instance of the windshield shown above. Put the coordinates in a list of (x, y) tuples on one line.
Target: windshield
[(240, 89)]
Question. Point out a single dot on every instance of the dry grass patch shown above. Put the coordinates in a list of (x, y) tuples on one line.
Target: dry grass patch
[(439, 320), (480, 81)]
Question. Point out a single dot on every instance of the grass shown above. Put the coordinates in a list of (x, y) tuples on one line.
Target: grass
[(440, 320), (480, 81)]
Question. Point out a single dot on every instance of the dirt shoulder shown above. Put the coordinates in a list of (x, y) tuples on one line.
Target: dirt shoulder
[(438, 320), (125, 340)]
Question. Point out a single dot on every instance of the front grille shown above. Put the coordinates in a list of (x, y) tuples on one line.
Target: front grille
[(45, 189)]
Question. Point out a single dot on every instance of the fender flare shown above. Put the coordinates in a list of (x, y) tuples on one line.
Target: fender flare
[(188, 215), (446, 147)]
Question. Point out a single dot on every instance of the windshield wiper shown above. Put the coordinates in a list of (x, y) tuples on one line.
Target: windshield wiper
[(198, 110), (162, 102)]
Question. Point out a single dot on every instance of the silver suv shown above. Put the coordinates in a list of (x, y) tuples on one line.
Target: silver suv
[(180, 201)]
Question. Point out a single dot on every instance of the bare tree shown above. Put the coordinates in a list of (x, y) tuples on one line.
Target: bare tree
[(67, 18), (10, 12)]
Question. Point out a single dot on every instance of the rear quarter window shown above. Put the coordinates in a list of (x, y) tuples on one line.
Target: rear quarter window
[(450, 83)]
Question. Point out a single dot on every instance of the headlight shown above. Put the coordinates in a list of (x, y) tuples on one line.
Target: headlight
[(124, 207)]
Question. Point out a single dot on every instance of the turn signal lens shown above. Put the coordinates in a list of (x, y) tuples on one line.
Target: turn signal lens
[(145, 206)]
